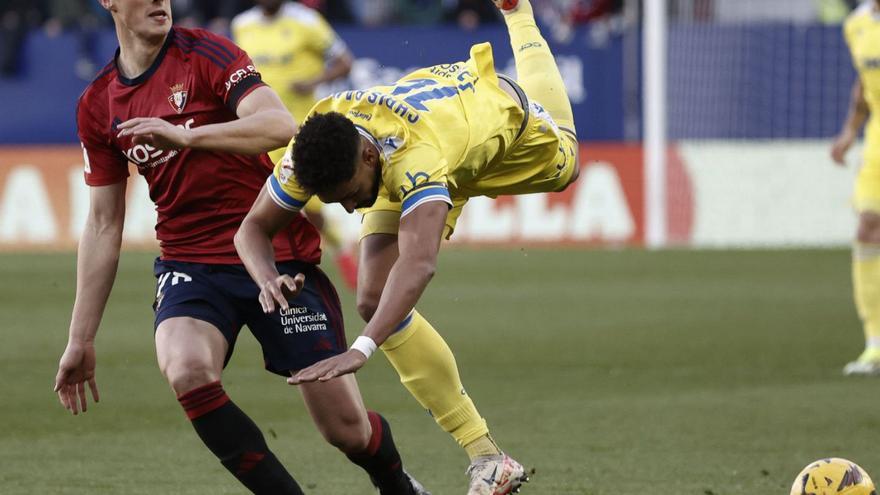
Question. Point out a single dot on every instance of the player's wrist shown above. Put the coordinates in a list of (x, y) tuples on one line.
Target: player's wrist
[(365, 345), (189, 138)]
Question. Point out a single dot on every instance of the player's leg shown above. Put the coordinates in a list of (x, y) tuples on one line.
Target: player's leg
[(363, 436), (424, 361), (866, 285), (312, 330), (191, 354), (866, 266), (536, 69), (191, 350)]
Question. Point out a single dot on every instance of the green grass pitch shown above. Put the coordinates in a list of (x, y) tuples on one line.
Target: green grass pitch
[(609, 372)]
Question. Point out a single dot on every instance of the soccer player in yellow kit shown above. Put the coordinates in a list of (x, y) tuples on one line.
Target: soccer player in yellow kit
[(411, 154), (295, 50), (862, 32)]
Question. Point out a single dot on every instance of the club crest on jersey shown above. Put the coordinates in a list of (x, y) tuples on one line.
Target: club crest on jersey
[(178, 97), (286, 168)]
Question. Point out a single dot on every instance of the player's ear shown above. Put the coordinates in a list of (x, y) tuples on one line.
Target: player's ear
[(369, 155), (108, 5)]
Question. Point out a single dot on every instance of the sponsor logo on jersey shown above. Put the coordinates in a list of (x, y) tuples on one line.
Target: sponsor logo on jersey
[(240, 74), (871, 63), (146, 156), (178, 97)]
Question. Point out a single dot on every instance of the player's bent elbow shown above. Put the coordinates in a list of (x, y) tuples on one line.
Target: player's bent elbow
[(242, 237), (367, 302)]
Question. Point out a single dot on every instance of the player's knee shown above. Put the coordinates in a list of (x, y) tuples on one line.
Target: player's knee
[(184, 375), (349, 435), (869, 228)]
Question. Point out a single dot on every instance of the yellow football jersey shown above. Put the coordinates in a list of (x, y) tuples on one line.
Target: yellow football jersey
[(862, 32), (446, 132), (292, 46)]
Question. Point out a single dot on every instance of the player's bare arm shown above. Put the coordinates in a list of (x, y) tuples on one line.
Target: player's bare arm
[(97, 259), (419, 238), (338, 67), (856, 117), (253, 241), (263, 124)]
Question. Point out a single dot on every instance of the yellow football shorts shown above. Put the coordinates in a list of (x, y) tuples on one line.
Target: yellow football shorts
[(542, 159)]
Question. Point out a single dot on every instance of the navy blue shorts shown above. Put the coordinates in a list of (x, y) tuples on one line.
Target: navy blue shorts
[(226, 297)]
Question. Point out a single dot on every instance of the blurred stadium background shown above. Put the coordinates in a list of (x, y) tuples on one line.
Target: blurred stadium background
[(674, 323)]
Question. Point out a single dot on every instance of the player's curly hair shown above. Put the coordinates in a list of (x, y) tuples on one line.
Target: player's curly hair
[(324, 152)]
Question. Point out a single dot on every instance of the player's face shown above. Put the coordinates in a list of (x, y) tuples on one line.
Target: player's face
[(144, 18), (362, 189)]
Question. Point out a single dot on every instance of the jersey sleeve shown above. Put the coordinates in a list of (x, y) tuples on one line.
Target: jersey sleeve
[(230, 71), (418, 175), (282, 186), (104, 164)]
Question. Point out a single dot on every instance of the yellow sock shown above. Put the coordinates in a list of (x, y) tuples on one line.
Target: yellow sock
[(866, 285), (536, 69), (482, 447), (427, 369)]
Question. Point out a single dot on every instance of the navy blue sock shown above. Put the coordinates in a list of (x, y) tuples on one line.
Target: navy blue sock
[(231, 435)]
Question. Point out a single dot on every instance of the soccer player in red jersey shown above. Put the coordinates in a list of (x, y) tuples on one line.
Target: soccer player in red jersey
[(189, 109)]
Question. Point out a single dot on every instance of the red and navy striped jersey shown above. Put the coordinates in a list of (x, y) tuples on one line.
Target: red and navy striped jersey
[(201, 196)]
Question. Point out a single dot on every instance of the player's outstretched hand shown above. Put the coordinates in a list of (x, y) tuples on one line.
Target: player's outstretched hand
[(155, 132), (76, 369), (343, 364), (279, 290), (841, 145)]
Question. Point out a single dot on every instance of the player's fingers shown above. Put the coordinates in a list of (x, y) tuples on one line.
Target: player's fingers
[(329, 375), (59, 380), (62, 399), (299, 280), (278, 296), (81, 394), (71, 399), (93, 386), (304, 376), (294, 285), (265, 302)]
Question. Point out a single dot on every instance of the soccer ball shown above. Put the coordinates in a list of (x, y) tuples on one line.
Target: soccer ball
[(833, 476)]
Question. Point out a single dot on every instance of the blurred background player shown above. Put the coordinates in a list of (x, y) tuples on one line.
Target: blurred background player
[(189, 109), (296, 50), (412, 154), (862, 32)]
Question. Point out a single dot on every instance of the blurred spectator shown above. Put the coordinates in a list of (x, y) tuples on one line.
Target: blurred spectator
[(78, 17), (214, 15), (469, 14), (835, 11), (16, 18), (333, 10), (419, 11), (592, 10), (373, 12)]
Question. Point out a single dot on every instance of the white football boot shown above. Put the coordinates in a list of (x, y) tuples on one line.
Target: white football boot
[(495, 475), (413, 487), (867, 364)]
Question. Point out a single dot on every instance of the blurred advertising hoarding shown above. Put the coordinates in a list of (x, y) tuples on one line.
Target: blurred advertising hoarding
[(720, 194), (44, 203)]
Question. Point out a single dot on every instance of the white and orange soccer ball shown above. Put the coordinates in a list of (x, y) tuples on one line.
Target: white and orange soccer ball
[(833, 476)]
